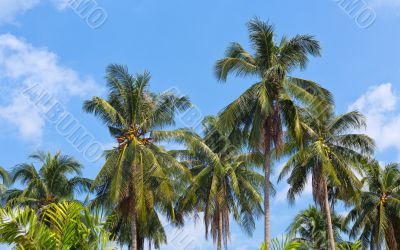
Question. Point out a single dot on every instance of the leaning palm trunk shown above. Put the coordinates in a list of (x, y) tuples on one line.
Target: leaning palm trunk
[(331, 236)]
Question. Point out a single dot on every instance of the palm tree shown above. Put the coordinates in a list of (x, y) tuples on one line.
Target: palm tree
[(223, 181), (377, 216), (51, 183), (5, 180), (309, 226), (135, 178), (331, 155), (272, 102), (62, 226)]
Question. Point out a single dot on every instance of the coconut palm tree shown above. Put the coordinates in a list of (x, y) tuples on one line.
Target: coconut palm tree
[(331, 154), (223, 182), (377, 216), (272, 102), (136, 177), (309, 228), (50, 183)]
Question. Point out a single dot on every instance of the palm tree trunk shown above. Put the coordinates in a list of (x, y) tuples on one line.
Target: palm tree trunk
[(331, 236), (267, 173), (390, 236), (272, 133), (219, 246), (134, 232)]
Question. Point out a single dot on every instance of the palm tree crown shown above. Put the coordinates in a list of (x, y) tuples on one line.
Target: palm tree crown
[(309, 226), (377, 217), (50, 183)]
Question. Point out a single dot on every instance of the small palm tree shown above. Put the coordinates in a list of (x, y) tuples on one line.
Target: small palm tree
[(331, 155), (377, 216), (309, 228), (135, 178), (50, 183), (273, 101), (223, 181)]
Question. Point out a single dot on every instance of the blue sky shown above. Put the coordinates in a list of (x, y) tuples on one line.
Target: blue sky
[(52, 44)]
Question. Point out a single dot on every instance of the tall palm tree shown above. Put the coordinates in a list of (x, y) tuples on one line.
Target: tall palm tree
[(50, 183), (375, 217), (309, 226), (272, 102), (331, 154), (135, 178), (223, 182)]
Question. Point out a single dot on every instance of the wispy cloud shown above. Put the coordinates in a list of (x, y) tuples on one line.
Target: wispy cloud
[(380, 105), (23, 65), (10, 9), (386, 3)]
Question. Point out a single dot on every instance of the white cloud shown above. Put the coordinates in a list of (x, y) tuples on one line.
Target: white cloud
[(19, 112), (190, 236), (386, 3), (62, 4), (23, 65), (9, 9), (379, 105)]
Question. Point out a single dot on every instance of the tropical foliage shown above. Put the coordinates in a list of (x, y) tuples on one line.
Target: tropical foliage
[(66, 225), (282, 244)]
